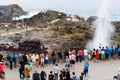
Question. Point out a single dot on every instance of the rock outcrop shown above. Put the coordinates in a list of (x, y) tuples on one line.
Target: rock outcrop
[(44, 18), (10, 11), (56, 30)]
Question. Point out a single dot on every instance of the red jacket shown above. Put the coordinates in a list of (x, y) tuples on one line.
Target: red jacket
[(80, 52), (2, 67)]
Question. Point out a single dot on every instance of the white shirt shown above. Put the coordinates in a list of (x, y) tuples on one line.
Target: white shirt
[(85, 52), (56, 70)]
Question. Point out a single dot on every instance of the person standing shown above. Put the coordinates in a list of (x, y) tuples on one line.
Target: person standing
[(61, 75), (74, 77), (10, 57), (36, 59), (43, 75), (56, 71), (100, 54), (85, 76), (15, 58), (81, 76), (86, 65), (80, 52), (67, 74), (27, 72), (60, 56), (31, 65), (21, 70), (66, 53), (73, 59), (42, 59), (53, 55), (67, 65), (36, 75), (1, 56), (46, 59), (51, 76), (85, 53), (24, 58), (96, 55), (103, 53), (107, 53), (20, 58), (2, 69), (118, 52)]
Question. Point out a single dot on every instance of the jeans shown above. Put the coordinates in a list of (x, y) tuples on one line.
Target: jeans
[(21, 75), (15, 64), (56, 76), (11, 65), (80, 58)]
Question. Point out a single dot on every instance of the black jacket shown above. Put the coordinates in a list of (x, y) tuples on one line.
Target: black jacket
[(36, 76)]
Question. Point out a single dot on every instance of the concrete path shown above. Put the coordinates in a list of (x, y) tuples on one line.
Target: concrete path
[(97, 71)]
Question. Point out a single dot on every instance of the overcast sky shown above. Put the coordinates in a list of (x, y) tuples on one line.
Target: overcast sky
[(80, 7), (59, 4)]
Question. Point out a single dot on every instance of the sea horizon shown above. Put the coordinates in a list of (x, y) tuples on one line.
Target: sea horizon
[(83, 8)]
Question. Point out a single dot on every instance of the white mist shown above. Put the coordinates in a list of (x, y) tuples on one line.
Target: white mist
[(29, 15), (104, 30)]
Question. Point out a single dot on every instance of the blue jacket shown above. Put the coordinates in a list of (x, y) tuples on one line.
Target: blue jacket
[(10, 56), (111, 50), (15, 57), (118, 51), (86, 65), (107, 51)]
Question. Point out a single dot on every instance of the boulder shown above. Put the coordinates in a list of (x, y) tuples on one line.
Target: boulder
[(92, 18), (9, 11)]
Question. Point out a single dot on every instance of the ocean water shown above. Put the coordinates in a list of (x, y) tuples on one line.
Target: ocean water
[(85, 8), (113, 14)]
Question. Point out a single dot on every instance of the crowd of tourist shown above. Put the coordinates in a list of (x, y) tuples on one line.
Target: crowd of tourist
[(28, 60)]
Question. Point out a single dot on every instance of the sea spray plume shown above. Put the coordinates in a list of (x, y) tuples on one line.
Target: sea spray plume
[(29, 14), (104, 30)]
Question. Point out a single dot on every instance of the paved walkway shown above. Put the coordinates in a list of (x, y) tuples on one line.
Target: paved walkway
[(98, 71)]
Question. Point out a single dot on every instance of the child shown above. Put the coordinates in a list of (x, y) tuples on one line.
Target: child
[(31, 65), (61, 75), (46, 59), (81, 76), (86, 66), (74, 77), (67, 65), (51, 76)]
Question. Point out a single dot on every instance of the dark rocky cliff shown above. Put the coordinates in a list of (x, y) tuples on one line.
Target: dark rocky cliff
[(9, 11)]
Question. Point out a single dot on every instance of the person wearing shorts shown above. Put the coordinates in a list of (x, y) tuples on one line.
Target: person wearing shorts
[(73, 59)]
